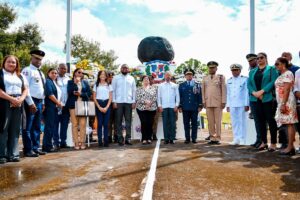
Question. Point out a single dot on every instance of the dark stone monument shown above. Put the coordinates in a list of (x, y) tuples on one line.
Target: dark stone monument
[(155, 48)]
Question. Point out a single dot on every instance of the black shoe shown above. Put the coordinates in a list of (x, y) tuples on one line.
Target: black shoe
[(283, 146), (212, 142), (64, 146), (292, 152), (100, 144), (187, 141), (154, 137), (15, 159), (52, 150), (3, 160), (172, 142), (31, 154), (39, 152), (128, 143), (56, 148), (208, 138), (121, 144), (194, 141), (251, 115), (106, 145), (110, 139), (166, 142)]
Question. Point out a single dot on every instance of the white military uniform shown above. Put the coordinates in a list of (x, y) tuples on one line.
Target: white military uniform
[(36, 87), (237, 99)]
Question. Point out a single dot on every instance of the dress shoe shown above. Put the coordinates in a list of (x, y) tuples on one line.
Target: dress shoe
[(64, 146), (154, 137), (187, 141), (271, 149), (213, 142), (166, 142), (121, 144), (292, 152), (52, 150), (57, 148), (128, 142), (3, 160), (31, 154), (283, 146), (14, 159), (39, 152), (194, 141), (100, 144), (106, 145), (208, 138), (172, 142)]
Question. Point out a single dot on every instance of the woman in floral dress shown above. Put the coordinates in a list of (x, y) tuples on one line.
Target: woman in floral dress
[(286, 110)]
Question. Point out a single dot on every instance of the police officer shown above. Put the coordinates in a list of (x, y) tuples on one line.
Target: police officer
[(34, 105), (214, 100), (190, 104), (237, 103), (252, 60)]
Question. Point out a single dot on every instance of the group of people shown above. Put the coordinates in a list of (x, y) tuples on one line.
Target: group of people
[(28, 97)]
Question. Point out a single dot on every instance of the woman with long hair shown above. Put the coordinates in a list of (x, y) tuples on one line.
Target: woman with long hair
[(286, 114), (13, 91), (52, 105), (78, 90), (261, 87), (102, 95)]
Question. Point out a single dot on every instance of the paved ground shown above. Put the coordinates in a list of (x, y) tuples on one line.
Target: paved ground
[(193, 171)]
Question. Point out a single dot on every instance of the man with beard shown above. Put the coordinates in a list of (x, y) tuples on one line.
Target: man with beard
[(124, 89)]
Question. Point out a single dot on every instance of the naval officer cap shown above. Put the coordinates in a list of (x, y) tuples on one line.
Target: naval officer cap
[(212, 64), (189, 71), (236, 66), (37, 53), (251, 56)]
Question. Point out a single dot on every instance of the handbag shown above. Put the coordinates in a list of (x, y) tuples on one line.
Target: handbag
[(85, 108)]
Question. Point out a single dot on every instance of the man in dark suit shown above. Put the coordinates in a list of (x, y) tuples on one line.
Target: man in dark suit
[(190, 104)]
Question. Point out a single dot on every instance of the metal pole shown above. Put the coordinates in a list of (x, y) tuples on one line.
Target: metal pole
[(252, 26), (68, 36)]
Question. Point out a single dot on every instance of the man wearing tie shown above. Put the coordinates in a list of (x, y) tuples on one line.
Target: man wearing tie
[(190, 104), (34, 105), (214, 101)]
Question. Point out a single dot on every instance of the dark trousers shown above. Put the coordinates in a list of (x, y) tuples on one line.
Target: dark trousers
[(112, 131), (169, 122), (9, 137), (103, 119), (31, 134), (147, 120), (188, 118), (63, 120), (298, 124), (51, 128), (263, 113), (124, 110)]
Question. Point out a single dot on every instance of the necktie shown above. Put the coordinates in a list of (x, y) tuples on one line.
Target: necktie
[(41, 77)]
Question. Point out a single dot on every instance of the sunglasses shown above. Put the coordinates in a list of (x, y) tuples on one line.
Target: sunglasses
[(260, 57)]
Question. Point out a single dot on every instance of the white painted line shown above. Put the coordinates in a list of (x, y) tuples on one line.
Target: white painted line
[(148, 192)]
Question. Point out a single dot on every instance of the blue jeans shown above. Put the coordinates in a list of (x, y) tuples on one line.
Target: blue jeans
[(51, 128), (64, 119), (103, 119), (190, 116), (169, 121), (31, 134)]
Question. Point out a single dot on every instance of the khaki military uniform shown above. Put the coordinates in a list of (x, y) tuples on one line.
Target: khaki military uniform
[(213, 96)]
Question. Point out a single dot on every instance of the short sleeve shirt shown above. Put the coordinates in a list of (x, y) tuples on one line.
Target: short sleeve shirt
[(102, 91)]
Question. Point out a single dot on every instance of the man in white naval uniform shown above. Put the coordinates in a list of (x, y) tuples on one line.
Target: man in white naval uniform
[(237, 103)]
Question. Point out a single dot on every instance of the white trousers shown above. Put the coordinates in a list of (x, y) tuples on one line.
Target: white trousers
[(238, 121)]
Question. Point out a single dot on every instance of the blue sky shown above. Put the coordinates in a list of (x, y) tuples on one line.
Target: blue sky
[(202, 29)]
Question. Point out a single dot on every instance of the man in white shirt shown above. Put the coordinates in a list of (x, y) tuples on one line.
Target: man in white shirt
[(34, 105), (168, 101), (64, 114), (237, 103), (124, 89)]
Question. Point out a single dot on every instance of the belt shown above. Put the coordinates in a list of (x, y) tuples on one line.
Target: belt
[(15, 95), (102, 100), (36, 99)]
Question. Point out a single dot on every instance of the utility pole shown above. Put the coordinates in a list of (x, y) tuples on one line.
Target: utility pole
[(69, 35), (252, 26)]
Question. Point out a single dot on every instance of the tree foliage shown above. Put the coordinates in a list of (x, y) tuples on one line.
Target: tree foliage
[(20, 41), (194, 64), (84, 51)]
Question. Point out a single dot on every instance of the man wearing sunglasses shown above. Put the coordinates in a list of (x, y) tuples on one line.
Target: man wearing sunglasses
[(237, 103)]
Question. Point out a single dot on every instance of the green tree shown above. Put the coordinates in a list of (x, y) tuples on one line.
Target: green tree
[(194, 64), (83, 49), (20, 41)]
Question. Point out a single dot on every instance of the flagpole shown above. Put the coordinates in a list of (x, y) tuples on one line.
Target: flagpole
[(252, 26), (68, 35)]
